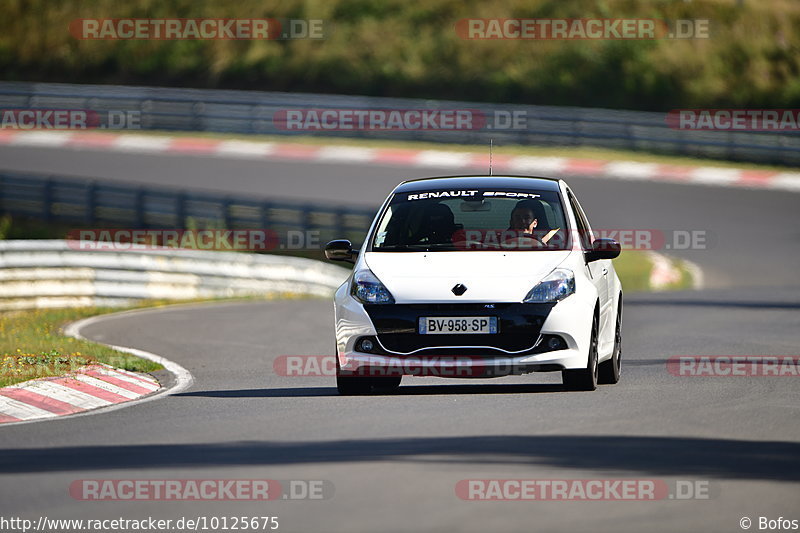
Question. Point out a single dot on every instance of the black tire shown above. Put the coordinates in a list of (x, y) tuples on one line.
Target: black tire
[(389, 384), (349, 385), (584, 379), (610, 370)]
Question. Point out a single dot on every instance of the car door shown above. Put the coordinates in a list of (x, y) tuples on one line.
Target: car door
[(597, 271)]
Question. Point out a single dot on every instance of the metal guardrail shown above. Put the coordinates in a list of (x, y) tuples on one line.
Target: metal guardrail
[(53, 273), (88, 203), (250, 112)]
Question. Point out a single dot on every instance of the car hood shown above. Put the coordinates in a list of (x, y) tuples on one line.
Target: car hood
[(417, 277)]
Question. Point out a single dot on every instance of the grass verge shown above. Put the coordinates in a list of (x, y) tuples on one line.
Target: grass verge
[(33, 346)]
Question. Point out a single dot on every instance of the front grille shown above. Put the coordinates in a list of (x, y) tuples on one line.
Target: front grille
[(519, 326)]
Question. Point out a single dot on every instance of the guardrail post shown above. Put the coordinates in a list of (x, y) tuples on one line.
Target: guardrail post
[(226, 212), (139, 207), (91, 203), (305, 219), (338, 224), (264, 215), (47, 200), (180, 211), (197, 122), (631, 137)]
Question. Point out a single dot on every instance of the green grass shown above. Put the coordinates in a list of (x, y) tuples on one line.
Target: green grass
[(32, 346)]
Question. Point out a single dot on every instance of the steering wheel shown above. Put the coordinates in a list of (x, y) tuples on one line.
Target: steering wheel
[(523, 241)]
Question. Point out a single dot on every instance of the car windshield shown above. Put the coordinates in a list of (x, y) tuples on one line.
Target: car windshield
[(472, 220)]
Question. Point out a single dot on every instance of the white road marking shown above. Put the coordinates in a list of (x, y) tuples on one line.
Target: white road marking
[(538, 165), (436, 158), (141, 143), (789, 181), (41, 138), (714, 176), (346, 154), (245, 149), (632, 170)]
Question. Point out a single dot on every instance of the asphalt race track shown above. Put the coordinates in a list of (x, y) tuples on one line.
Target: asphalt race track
[(392, 462)]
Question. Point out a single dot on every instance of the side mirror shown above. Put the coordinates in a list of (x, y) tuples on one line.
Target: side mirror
[(341, 250), (603, 249)]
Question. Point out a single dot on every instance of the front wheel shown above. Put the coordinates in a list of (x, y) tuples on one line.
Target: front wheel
[(584, 379), (610, 370), (351, 385)]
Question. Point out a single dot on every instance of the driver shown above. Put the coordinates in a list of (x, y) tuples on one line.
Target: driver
[(525, 217), (528, 225)]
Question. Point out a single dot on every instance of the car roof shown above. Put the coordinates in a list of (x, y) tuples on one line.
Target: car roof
[(480, 182)]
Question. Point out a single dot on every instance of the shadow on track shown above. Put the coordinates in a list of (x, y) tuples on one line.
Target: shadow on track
[(712, 303), (637, 455), (414, 390)]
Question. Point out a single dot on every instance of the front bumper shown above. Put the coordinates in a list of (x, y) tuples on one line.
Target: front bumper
[(519, 347)]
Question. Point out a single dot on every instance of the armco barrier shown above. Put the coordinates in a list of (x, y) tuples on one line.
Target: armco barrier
[(53, 273), (251, 112)]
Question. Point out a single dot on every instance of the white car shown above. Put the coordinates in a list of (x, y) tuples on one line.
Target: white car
[(478, 276)]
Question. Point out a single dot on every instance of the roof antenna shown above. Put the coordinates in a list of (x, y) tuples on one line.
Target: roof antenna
[(490, 155)]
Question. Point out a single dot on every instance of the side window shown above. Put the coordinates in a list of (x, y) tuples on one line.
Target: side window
[(584, 231)]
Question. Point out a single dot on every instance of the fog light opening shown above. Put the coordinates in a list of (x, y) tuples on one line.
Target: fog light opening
[(556, 343), (366, 345)]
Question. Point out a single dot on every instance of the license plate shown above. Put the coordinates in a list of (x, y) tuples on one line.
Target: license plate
[(443, 325)]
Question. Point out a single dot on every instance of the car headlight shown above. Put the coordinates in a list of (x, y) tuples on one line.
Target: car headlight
[(556, 286), (368, 289)]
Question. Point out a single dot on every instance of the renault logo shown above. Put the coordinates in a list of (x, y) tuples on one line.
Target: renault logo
[(459, 289)]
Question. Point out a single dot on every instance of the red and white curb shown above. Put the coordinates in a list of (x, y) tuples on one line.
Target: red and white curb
[(558, 166), (89, 387), (93, 389)]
